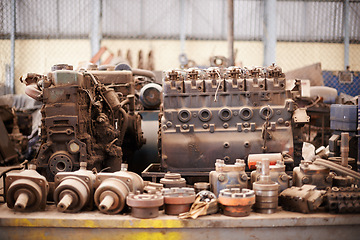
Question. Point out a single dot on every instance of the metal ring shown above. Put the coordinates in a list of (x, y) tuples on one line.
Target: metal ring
[(266, 112), (205, 115), (184, 115), (246, 113), (225, 114)]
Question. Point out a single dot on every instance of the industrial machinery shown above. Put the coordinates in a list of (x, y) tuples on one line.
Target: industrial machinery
[(225, 114), (87, 116)]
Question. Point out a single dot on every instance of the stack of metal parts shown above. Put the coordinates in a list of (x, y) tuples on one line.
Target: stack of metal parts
[(343, 200), (266, 191), (236, 202), (277, 169), (304, 199), (171, 180), (227, 114)]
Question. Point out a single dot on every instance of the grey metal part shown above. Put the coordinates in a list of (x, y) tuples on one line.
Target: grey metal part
[(223, 180), (278, 176), (303, 199), (312, 175)]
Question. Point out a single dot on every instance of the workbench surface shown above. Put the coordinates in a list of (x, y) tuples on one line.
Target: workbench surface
[(51, 224)]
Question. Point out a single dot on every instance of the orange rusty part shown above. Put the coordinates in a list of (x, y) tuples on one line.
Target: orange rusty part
[(230, 201)]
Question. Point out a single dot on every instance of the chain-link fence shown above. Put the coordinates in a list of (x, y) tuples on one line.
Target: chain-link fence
[(46, 32)]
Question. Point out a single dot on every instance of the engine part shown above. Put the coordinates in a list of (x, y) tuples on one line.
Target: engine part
[(26, 190), (343, 200), (346, 176), (113, 188), (152, 187), (277, 174), (178, 200), (236, 202), (209, 115), (228, 176), (145, 205), (304, 199), (87, 116), (266, 191), (200, 186), (312, 174), (253, 159), (205, 204), (173, 180), (150, 96), (75, 190)]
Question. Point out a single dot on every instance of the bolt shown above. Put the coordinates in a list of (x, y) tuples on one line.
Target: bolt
[(226, 145), (205, 125), (168, 124), (185, 126), (221, 177), (225, 125), (306, 180)]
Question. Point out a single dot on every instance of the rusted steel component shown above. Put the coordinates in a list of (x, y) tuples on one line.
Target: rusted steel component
[(200, 186), (74, 190), (113, 188), (152, 187), (236, 202), (85, 118), (212, 114), (178, 200), (26, 190), (145, 205), (343, 200), (266, 191), (173, 180), (304, 199), (228, 176), (205, 204), (277, 173), (312, 174)]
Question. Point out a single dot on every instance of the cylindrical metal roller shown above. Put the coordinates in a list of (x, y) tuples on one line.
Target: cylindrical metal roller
[(236, 202), (178, 200), (145, 205), (110, 195)]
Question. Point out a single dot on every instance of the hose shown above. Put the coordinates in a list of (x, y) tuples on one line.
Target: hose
[(142, 72), (337, 167)]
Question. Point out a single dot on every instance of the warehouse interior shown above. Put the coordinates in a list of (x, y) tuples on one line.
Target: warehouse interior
[(170, 119)]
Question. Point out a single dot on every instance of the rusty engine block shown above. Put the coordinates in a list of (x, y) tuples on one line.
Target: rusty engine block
[(224, 114), (87, 116)]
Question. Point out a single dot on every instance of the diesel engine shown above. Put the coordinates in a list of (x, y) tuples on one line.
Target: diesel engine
[(87, 116), (224, 114)]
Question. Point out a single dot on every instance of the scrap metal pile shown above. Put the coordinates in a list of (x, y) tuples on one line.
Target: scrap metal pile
[(222, 122)]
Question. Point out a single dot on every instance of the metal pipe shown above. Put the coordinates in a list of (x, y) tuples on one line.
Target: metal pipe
[(182, 27), (346, 27), (337, 167), (269, 40), (96, 33), (12, 40), (344, 149), (230, 38), (106, 203), (64, 203), (21, 201)]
